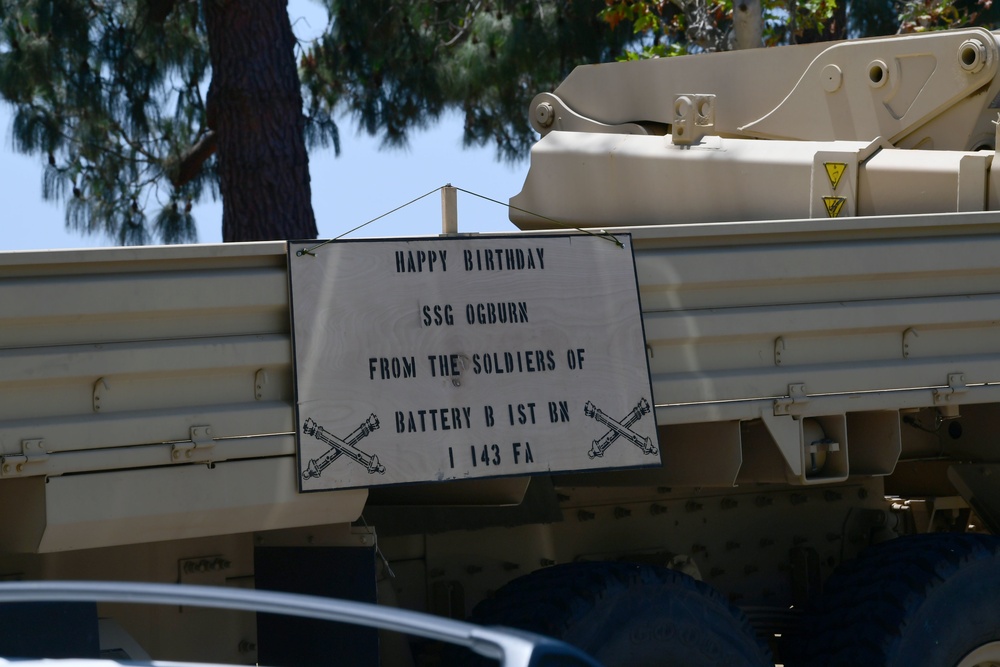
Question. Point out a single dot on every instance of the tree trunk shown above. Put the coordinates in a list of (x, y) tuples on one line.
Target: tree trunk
[(748, 24), (255, 108)]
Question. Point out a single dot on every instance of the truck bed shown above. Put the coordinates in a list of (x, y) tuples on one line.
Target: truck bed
[(147, 393)]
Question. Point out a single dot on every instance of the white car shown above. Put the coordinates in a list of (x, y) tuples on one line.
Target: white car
[(512, 648)]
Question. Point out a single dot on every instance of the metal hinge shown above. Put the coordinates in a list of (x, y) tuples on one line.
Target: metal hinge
[(797, 399), (197, 450), (32, 452), (956, 387)]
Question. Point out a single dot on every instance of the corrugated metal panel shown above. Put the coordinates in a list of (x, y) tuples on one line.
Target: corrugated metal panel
[(119, 359), (134, 346), (110, 358), (741, 311), (126, 347)]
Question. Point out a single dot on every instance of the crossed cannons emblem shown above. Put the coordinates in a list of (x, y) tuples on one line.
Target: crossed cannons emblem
[(619, 429), (345, 447)]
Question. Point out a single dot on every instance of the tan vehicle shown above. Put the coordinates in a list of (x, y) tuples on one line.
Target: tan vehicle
[(816, 242)]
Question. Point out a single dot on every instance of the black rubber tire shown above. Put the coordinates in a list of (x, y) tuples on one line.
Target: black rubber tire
[(918, 600), (630, 615)]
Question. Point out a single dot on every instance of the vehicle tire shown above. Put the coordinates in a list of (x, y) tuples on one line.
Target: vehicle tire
[(921, 600), (628, 614)]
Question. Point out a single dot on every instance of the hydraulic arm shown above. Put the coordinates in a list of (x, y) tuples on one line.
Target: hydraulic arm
[(887, 126)]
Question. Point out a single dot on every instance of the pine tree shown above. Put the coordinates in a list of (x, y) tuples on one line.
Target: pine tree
[(113, 95), (141, 107), (396, 65)]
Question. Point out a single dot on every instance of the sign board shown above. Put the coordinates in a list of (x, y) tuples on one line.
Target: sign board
[(421, 360)]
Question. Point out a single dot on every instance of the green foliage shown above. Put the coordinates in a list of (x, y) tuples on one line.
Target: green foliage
[(926, 15), (396, 65), (869, 18), (112, 94), (675, 27), (680, 27), (112, 99)]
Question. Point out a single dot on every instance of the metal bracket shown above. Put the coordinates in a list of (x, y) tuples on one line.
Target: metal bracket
[(779, 347), (956, 387), (551, 113), (32, 451), (197, 450), (908, 337), (101, 388), (977, 484), (797, 399), (259, 382), (694, 117)]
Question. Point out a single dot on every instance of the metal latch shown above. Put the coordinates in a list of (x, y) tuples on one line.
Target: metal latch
[(32, 451), (793, 404), (198, 449)]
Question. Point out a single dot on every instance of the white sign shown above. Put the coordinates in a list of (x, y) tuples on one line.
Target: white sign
[(420, 360)]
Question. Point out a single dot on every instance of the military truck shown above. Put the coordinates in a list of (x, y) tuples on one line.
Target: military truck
[(812, 235)]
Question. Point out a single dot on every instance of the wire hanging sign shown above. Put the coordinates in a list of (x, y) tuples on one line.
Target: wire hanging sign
[(560, 225)]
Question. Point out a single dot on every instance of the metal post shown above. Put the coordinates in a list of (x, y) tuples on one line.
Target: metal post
[(449, 210)]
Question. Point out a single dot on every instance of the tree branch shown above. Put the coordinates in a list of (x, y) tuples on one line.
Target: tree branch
[(191, 162), (158, 10)]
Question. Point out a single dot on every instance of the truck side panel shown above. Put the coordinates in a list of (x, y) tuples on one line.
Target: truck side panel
[(153, 387)]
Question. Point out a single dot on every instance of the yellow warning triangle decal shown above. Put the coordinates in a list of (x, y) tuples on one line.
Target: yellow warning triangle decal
[(834, 171), (834, 205)]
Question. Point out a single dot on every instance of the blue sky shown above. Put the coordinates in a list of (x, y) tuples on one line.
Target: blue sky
[(364, 182)]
